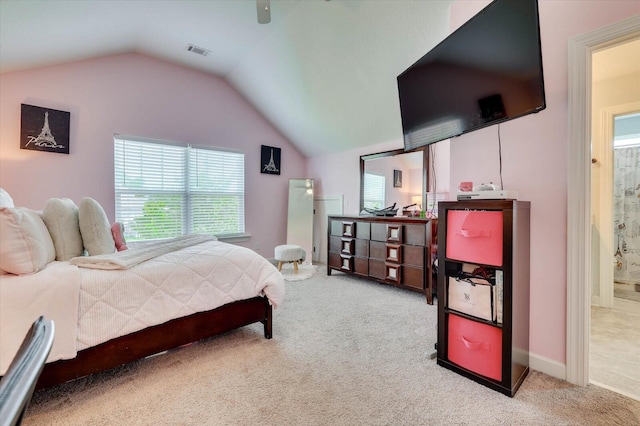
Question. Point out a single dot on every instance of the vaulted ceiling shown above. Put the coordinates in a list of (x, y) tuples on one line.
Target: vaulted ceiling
[(323, 72)]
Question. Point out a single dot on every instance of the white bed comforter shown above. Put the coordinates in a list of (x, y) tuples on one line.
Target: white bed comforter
[(112, 303), (52, 292)]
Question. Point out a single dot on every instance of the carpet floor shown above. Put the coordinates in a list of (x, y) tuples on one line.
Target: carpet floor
[(345, 351)]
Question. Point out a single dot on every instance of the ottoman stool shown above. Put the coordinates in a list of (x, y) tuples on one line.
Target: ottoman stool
[(289, 253)]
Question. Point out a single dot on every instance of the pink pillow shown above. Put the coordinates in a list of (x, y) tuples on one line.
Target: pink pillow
[(117, 230)]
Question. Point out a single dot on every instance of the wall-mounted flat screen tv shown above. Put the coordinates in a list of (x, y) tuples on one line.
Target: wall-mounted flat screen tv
[(486, 72)]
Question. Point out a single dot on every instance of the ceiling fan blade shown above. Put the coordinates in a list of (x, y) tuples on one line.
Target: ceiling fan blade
[(264, 11)]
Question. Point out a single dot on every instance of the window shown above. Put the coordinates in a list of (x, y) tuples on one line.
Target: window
[(167, 190), (374, 186)]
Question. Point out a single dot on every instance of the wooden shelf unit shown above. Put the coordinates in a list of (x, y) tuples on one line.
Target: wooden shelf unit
[(493, 352)]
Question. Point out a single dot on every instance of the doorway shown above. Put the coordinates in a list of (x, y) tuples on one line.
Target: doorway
[(579, 229), (323, 206), (614, 361), (616, 131), (626, 204)]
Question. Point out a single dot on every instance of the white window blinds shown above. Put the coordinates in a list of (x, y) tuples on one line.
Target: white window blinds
[(374, 186), (216, 186), (164, 190)]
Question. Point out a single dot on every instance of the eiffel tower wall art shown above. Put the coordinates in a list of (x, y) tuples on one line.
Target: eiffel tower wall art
[(397, 178), (44, 129), (269, 160)]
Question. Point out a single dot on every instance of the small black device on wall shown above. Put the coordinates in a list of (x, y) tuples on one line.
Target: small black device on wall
[(270, 160), (397, 178), (44, 129)]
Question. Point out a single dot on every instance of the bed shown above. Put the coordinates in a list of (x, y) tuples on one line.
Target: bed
[(114, 308)]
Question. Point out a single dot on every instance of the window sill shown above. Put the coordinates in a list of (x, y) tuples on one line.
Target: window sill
[(235, 238)]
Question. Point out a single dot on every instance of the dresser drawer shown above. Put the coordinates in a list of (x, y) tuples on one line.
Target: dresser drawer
[(361, 265), (394, 233), (394, 253), (387, 232), (413, 255), (416, 235), (393, 273), (335, 261), (413, 276), (377, 269), (341, 261), (335, 244), (475, 236), (347, 246), (377, 250), (349, 229), (362, 248), (475, 346), (346, 263)]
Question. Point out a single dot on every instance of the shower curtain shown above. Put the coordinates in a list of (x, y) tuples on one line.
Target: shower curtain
[(626, 214)]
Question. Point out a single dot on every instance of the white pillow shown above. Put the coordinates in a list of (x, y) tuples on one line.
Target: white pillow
[(61, 217), (5, 199), (95, 228), (25, 243)]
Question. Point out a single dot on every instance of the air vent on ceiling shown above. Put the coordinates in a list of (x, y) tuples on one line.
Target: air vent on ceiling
[(198, 50)]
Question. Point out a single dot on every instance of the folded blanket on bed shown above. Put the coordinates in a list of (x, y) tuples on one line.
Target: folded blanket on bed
[(128, 258)]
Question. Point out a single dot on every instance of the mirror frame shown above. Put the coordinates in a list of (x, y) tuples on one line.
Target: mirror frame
[(425, 169)]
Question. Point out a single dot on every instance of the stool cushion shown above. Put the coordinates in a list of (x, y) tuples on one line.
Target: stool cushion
[(289, 253)]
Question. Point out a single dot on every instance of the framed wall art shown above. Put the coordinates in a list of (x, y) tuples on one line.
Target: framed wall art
[(397, 178), (270, 160), (44, 129)]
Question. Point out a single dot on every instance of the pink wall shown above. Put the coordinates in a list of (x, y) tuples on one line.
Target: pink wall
[(534, 153), (339, 174), (136, 95)]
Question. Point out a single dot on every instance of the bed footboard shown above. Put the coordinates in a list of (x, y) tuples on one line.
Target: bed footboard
[(159, 338)]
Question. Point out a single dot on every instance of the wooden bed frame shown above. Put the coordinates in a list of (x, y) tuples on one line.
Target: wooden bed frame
[(159, 338)]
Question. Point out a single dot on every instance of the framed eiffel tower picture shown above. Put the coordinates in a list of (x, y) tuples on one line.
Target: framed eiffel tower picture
[(397, 178), (44, 129), (270, 160)]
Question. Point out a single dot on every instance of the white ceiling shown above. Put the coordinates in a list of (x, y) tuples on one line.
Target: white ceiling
[(323, 72)]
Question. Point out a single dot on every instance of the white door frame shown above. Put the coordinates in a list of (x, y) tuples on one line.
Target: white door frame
[(579, 191)]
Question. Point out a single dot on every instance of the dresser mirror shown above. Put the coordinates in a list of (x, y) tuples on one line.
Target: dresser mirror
[(395, 176)]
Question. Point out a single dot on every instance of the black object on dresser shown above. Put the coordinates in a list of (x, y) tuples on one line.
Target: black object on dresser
[(483, 289), (393, 250)]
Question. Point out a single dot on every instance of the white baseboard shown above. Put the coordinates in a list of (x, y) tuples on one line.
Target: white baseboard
[(548, 366)]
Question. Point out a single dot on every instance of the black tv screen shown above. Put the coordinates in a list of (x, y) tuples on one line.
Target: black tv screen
[(486, 72)]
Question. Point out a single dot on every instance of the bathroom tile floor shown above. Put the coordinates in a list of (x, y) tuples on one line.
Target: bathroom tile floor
[(614, 361)]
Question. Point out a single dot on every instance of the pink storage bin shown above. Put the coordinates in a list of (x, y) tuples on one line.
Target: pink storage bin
[(475, 346), (475, 236)]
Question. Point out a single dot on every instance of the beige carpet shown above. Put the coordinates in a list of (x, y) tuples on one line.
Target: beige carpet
[(345, 352)]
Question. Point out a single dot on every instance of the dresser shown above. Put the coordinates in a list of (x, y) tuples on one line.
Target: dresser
[(397, 251)]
